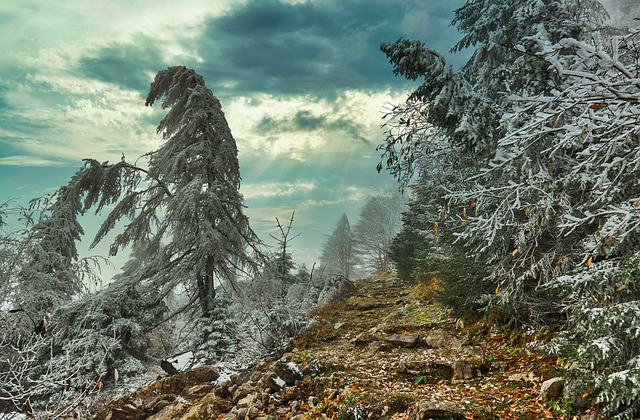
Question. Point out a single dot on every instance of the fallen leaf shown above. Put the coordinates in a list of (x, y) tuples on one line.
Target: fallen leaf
[(598, 106)]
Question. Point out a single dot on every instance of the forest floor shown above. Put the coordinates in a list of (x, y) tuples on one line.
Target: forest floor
[(391, 352)]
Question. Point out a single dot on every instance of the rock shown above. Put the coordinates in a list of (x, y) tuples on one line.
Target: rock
[(255, 377), (282, 411), (360, 339), (168, 367), (247, 401), (241, 414), (253, 412), (153, 405), (522, 377), (170, 412), (462, 370), (242, 391), (424, 410), (198, 391), (215, 404), (551, 389), (573, 392), (288, 372), (271, 382), (290, 393), (438, 339), (431, 372), (403, 340), (312, 401), (295, 407)]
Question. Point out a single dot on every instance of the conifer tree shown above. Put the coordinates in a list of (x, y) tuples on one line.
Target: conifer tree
[(552, 207), (185, 210), (379, 221), (338, 256)]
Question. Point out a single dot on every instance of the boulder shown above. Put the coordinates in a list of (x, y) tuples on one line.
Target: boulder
[(403, 340), (462, 370), (271, 382), (288, 372), (573, 391), (242, 391), (431, 372), (551, 389), (438, 339)]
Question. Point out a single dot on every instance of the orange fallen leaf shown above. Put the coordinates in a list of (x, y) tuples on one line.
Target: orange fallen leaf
[(589, 261), (598, 105)]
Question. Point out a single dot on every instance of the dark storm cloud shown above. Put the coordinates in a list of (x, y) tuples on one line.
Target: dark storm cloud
[(303, 48), (126, 65), (306, 121)]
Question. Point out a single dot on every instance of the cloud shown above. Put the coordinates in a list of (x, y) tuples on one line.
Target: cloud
[(305, 121), (276, 189), (131, 65), (302, 84), (26, 160), (302, 48)]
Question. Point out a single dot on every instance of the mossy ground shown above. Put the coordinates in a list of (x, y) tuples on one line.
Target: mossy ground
[(347, 341), (352, 371)]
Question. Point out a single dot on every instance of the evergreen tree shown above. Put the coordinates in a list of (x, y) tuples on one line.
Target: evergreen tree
[(185, 210), (338, 256), (552, 206), (379, 221)]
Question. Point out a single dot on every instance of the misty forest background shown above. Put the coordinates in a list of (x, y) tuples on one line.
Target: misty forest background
[(520, 202)]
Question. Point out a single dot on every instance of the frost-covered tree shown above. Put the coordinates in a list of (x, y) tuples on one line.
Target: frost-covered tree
[(379, 221), (338, 256), (462, 111), (559, 191), (553, 208), (570, 198), (462, 107), (184, 224), (184, 208)]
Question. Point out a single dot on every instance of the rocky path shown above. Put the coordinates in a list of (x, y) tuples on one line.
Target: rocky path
[(386, 353)]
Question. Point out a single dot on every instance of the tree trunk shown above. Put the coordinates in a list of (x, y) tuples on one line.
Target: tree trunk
[(206, 289)]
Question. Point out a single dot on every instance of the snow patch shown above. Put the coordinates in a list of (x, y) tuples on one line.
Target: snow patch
[(182, 361), (278, 380), (294, 368)]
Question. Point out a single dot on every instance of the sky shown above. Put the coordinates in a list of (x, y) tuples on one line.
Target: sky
[(303, 85)]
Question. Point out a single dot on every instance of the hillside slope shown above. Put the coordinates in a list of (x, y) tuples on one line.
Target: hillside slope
[(386, 353)]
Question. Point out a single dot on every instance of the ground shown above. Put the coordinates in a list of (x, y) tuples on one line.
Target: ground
[(388, 352)]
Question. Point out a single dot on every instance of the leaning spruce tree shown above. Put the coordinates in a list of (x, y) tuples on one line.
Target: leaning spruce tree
[(185, 223)]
